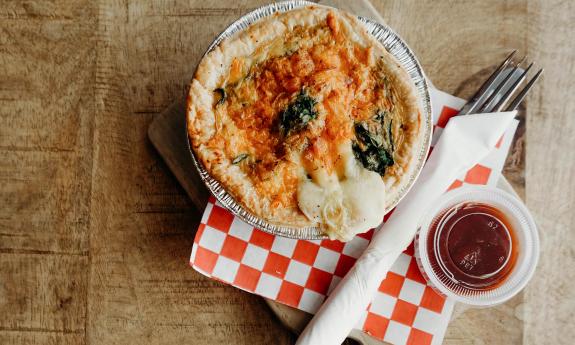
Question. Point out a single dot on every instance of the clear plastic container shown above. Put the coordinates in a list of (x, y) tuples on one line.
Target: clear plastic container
[(442, 279)]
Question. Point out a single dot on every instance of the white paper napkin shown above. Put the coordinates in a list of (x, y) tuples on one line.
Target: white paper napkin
[(464, 142)]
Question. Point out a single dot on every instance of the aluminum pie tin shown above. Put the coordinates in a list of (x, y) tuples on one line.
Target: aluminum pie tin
[(394, 45)]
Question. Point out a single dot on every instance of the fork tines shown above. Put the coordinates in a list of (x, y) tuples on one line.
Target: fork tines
[(499, 88)]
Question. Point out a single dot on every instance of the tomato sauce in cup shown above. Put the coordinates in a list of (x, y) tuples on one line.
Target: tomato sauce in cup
[(474, 244), (477, 245)]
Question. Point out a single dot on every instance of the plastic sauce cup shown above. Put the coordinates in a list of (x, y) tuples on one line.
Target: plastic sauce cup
[(455, 279)]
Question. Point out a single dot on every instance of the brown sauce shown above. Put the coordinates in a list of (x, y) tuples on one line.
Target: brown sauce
[(473, 245)]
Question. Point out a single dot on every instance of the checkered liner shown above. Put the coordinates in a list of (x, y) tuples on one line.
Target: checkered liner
[(300, 273)]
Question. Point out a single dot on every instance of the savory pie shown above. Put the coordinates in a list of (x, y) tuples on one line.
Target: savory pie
[(306, 119)]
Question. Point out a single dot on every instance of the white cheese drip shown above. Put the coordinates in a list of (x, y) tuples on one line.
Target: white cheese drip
[(347, 206)]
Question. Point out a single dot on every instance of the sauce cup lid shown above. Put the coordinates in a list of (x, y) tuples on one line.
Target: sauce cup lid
[(525, 233)]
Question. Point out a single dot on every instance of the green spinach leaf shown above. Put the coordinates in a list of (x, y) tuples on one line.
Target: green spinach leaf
[(374, 143), (297, 114)]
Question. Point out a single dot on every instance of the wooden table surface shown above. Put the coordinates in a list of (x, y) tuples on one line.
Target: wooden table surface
[(95, 233)]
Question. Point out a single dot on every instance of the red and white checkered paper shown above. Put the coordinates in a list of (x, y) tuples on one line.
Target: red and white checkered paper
[(300, 273)]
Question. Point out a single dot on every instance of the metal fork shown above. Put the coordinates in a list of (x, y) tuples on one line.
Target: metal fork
[(498, 89)]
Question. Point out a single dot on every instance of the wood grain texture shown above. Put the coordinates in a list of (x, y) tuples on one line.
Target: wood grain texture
[(46, 124), (549, 308), (141, 287), (95, 231)]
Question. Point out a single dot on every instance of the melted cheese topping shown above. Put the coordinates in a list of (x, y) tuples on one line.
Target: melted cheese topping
[(313, 169), (344, 205)]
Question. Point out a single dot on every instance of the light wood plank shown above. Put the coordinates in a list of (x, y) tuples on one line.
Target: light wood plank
[(47, 65), (549, 308), (47, 61), (142, 224)]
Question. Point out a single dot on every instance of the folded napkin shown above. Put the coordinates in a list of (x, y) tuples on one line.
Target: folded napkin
[(464, 142)]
